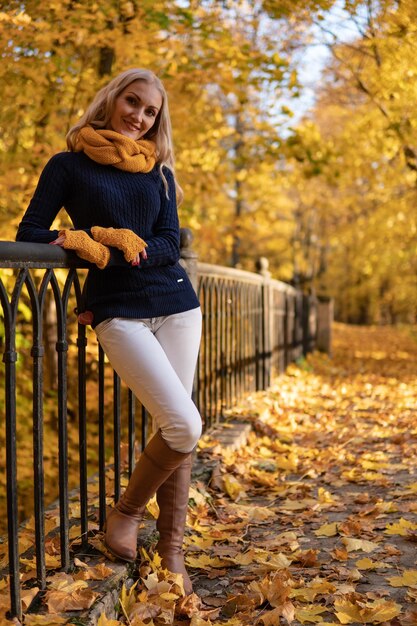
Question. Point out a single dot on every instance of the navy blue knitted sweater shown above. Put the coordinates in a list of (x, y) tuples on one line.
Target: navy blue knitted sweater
[(102, 195)]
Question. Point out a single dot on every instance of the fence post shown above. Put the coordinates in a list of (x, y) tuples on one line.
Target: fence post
[(189, 261), (309, 323), (262, 266), (325, 312), (189, 257), (297, 351)]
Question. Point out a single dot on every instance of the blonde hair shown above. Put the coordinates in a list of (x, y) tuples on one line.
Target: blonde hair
[(99, 112)]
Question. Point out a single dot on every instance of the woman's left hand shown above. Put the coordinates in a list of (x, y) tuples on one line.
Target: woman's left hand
[(142, 255)]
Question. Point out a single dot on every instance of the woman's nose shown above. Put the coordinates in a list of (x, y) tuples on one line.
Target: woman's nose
[(138, 113)]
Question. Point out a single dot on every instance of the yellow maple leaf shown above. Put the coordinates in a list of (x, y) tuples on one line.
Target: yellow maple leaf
[(340, 554), (274, 562), (30, 563), (304, 594), (352, 544), (311, 613), (199, 496), (289, 462), (376, 612), (199, 621), (27, 595), (325, 497), (44, 620), (374, 465), (75, 531), (271, 618), (369, 564), (52, 562), (298, 505), (314, 588), (327, 530), (245, 558), (153, 508), (207, 562), (61, 601), (408, 579), (169, 595), (254, 513), (202, 543), (233, 487), (402, 527), (104, 621), (99, 572)]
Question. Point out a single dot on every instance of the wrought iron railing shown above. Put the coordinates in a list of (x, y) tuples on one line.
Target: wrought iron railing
[(253, 326)]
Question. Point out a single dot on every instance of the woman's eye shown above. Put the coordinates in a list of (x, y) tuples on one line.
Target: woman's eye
[(131, 100), (151, 113)]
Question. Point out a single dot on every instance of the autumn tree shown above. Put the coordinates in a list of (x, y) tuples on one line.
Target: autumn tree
[(225, 66), (357, 157)]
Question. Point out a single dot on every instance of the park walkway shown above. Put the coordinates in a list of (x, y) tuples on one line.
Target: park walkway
[(313, 519)]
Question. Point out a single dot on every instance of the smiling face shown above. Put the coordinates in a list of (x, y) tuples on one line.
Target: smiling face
[(136, 109)]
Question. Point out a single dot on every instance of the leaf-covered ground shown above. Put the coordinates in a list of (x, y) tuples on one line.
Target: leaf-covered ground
[(314, 520)]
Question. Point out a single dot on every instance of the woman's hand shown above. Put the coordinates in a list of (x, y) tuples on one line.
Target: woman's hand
[(58, 242), (122, 238), (142, 255)]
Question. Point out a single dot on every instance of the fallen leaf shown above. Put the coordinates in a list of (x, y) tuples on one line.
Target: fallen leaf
[(233, 487), (98, 572), (27, 596), (327, 530), (402, 527), (375, 612), (368, 564), (61, 601), (352, 545), (44, 620), (408, 579), (310, 614), (103, 620)]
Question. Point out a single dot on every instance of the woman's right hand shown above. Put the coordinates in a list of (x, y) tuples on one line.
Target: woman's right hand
[(59, 241)]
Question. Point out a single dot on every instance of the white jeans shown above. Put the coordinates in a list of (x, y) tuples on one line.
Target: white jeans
[(156, 358)]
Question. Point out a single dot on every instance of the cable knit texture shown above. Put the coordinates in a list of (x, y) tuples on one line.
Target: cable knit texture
[(110, 148), (122, 238), (102, 195), (85, 247)]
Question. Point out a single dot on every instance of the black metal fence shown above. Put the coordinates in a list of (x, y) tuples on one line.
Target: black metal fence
[(253, 326)]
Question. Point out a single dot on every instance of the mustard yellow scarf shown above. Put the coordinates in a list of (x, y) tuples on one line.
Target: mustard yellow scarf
[(111, 148)]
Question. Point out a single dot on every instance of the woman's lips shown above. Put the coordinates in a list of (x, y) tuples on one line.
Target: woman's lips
[(132, 126)]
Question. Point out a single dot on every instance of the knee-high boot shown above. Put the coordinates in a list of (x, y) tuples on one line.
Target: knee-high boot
[(172, 497), (155, 465)]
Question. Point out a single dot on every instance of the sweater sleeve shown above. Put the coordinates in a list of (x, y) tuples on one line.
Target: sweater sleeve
[(51, 194), (164, 244), (49, 197)]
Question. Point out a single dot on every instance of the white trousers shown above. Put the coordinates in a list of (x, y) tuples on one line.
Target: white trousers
[(156, 358)]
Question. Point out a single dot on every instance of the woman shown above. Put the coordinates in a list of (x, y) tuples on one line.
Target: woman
[(117, 184)]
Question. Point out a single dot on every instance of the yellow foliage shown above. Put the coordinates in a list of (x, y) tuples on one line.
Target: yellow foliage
[(362, 612)]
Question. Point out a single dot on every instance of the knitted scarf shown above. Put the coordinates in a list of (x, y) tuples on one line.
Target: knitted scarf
[(111, 148)]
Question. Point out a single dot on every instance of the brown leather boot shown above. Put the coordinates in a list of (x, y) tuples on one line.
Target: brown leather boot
[(155, 465), (172, 498)]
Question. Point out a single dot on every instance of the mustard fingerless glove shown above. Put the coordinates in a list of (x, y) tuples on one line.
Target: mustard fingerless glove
[(122, 238), (85, 247)]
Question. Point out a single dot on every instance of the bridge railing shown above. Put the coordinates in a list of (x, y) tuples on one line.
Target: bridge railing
[(253, 326)]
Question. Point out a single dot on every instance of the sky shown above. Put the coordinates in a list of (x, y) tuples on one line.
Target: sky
[(314, 58)]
